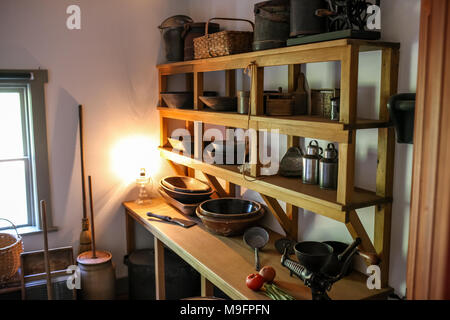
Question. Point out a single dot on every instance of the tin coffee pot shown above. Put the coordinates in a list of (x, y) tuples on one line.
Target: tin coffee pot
[(328, 168), (311, 163)]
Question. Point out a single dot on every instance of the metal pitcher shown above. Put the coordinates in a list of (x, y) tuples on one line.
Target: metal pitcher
[(311, 163), (328, 168)]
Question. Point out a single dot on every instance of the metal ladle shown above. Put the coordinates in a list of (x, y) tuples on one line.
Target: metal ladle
[(256, 238)]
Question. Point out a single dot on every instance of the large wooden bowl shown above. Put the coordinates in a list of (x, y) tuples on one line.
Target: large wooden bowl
[(229, 208), (228, 227), (186, 197), (185, 184)]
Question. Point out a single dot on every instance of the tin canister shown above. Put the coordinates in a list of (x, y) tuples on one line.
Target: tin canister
[(243, 102)]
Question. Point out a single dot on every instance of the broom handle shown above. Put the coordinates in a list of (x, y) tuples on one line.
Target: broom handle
[(46, 257), (92, 217), (83, 179)]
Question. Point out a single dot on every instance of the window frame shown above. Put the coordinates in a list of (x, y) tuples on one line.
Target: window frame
[(33, 89)]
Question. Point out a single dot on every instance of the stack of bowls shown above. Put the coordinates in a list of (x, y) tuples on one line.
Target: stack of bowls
[(186, 189), (229, 216)]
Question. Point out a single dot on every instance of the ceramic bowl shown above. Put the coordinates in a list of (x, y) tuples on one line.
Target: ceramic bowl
[(230, 208), (228, 227)]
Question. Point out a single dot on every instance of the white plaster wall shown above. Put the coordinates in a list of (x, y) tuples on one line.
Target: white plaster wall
[(400, 23), (109, 67)]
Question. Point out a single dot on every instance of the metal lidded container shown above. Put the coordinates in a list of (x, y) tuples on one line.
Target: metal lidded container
[(328, 168), (304, 20), (310, 172), (271, 24), (172, 30), (243, 102)]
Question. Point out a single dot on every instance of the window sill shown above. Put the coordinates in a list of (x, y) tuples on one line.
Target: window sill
[(28, 231)]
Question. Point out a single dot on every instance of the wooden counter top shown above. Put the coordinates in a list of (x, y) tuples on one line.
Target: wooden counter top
[(226, 261)]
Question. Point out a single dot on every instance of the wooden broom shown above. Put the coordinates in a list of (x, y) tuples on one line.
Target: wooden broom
[(85, 235)]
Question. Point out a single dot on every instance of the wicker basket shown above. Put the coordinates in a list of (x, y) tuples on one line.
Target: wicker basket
[(10, 249), (223, 43)]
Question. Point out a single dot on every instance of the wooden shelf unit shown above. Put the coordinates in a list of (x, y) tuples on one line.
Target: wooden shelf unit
[(340, 204)]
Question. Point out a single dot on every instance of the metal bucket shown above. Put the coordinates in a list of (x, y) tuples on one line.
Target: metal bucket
[(98, 277), (304, 20), (141, 276), (172, 30), (271, 24)]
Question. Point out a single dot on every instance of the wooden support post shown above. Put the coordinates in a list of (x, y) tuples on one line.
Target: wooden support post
[(348, 103), (159, 270), (385, 167), (230, 91), (198, 90), (162, 84), (256, 108), (292, 141), (230, 83), (216, 185), (190, 127), (207, 288), (257, 91), (346, 172), (293, 74), (179, 169), (130, 232), (255, 164), (163, 129), (356, 229), (198, 140), (281, 217)]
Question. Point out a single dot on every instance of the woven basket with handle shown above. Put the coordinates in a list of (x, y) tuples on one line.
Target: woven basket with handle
[(223, 43), (11, 246)]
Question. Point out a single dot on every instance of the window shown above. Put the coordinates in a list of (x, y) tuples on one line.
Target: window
[(23, 148)]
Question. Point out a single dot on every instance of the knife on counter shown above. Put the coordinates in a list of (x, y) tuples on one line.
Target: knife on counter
[(180, 222)]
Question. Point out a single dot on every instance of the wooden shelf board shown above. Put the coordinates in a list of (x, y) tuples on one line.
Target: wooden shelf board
[(290, 190), (307, 53), (226, 261), (302, 125)]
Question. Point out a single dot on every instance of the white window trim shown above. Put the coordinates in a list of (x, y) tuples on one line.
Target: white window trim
[(38, 148)]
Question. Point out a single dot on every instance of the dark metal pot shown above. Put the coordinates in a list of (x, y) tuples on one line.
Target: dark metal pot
[(313, 255), (271, 24), (304, 20), (172, 30), (334, 266)]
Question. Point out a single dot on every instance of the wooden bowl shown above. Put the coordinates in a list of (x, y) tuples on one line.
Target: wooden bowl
[(228, 227), (229, 208), (186, 197), (185, 184), (220, 103), (179, 100)]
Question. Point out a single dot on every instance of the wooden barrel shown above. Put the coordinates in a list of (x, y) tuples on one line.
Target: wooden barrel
[(98, 277)]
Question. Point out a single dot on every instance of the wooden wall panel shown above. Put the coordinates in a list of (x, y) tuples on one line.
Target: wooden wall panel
[(428, 275)]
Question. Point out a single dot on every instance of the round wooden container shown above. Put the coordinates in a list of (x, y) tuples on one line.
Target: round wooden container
[(98, 277)]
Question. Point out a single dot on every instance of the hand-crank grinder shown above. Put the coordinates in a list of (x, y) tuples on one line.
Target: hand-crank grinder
[(315, 260)]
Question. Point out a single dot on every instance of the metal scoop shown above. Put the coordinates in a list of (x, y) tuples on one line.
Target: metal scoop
[(256, 238)]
